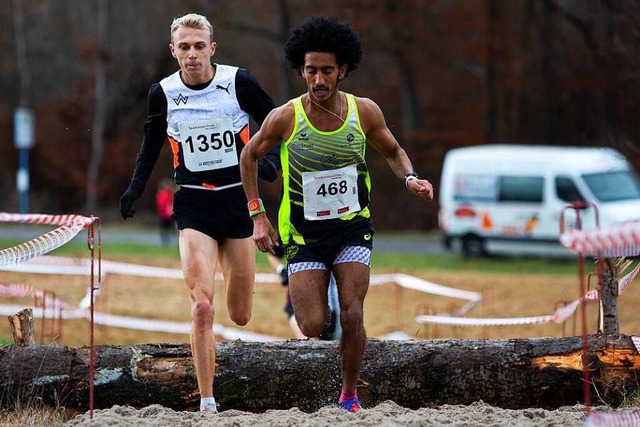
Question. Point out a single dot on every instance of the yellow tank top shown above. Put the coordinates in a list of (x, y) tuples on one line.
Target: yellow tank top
[(326, 182)]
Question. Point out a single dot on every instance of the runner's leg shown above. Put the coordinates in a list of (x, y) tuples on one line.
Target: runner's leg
[(198, 253), (238, 263), (308, 292), (353, 283)]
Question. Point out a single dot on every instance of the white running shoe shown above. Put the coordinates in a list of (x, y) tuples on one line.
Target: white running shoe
[(209, 407)]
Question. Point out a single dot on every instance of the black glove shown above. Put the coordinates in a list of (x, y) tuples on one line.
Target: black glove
[(126, 202), (267, 170)]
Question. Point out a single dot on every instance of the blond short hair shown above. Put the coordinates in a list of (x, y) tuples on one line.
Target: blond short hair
[(192, 20)]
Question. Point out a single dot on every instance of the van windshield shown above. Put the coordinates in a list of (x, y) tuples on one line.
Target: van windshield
[(614, 186)]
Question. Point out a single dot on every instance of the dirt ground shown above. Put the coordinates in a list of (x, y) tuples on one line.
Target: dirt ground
[(385, 414)]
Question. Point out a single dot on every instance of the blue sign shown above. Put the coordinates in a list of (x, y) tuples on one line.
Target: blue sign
[(23, 128)]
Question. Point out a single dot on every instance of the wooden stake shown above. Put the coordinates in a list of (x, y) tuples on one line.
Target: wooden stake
[(22, 327)]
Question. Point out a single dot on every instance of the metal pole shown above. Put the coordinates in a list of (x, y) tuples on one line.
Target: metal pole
[(23, 181)]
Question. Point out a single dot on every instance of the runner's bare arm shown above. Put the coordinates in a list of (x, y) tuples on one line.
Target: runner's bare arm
[(277, 126), (381, 138)]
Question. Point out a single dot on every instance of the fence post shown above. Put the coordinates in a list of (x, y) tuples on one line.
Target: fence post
[(22, 327)]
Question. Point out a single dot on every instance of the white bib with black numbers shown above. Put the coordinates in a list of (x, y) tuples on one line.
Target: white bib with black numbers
[(331, 193), (208, 144)]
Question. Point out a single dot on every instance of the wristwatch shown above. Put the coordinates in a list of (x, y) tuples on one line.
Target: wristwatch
[(408, 177)]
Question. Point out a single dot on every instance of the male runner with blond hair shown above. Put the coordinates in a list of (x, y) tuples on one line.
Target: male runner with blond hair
[(203, 111)]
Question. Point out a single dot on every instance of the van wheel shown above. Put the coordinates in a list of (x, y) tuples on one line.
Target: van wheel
[(472, 247)]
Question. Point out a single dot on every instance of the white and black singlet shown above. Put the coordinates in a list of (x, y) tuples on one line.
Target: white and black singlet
[(207, 126)]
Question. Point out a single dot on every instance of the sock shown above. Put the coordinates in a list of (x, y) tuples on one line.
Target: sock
[(207, 401), (345, 395)]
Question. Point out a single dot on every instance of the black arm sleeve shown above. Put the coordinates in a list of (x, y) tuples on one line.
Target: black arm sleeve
[(255, 101), (154, 136), (251, 97)]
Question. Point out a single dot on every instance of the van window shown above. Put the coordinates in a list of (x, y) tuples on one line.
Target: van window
[(475, 188), (614, 186), (521, 189), (566, 189)]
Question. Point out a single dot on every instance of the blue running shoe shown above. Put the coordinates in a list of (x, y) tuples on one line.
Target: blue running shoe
[(351, 405)]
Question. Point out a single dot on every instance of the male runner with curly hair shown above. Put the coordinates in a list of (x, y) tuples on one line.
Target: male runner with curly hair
[(324, 218)]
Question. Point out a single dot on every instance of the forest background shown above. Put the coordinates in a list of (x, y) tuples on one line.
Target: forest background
[(447, 73)]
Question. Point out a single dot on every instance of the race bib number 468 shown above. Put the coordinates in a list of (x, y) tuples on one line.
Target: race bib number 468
[(330, 194), (208, 144)]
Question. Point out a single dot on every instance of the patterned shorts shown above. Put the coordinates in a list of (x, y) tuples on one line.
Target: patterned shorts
[(350, 244)]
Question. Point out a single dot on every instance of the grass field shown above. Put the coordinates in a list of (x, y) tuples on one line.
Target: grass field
[(510, 288)]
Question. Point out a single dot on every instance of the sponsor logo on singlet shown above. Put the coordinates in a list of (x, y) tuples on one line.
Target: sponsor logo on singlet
[(226, 89), (181, 98)]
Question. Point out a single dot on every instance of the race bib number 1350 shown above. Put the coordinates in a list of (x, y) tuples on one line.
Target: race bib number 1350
[(208, 144)]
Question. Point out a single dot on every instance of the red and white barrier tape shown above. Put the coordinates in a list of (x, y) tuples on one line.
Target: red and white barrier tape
[(44, 219), (559, 316), (563, 313), (16, 290), (422, 285), (154, 325), (19, 290), (627, 279), (623, 236), (485, 321), (614, 241), (613, 419), (69, 227), (66, 265), (81, 267)]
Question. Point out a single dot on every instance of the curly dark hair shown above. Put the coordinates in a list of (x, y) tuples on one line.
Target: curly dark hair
[(322, 34)]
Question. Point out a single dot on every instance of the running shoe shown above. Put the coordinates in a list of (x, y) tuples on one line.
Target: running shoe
[(351, 405), (211, 408)]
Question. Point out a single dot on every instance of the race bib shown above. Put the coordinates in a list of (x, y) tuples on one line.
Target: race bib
[(208, 144), (330, 194)]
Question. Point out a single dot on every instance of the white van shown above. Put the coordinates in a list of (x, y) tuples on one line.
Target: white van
[(507, 199)]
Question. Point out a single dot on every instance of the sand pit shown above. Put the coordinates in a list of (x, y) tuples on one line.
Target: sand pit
[(385, 414)]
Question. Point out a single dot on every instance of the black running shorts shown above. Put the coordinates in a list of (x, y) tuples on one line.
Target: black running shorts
[(219, 214), (324, 250)]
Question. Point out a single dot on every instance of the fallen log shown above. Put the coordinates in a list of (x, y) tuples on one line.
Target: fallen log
[(250, 376)]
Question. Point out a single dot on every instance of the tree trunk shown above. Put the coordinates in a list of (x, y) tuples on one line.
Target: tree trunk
[(509, 373), (608, 289), (100, 109)]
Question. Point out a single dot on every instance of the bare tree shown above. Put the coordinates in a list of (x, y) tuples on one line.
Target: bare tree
[(21, 54), (277, 36), (99, 113)]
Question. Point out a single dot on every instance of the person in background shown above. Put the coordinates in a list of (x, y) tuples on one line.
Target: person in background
[(203, 111), (324, 218), (164, 210)]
